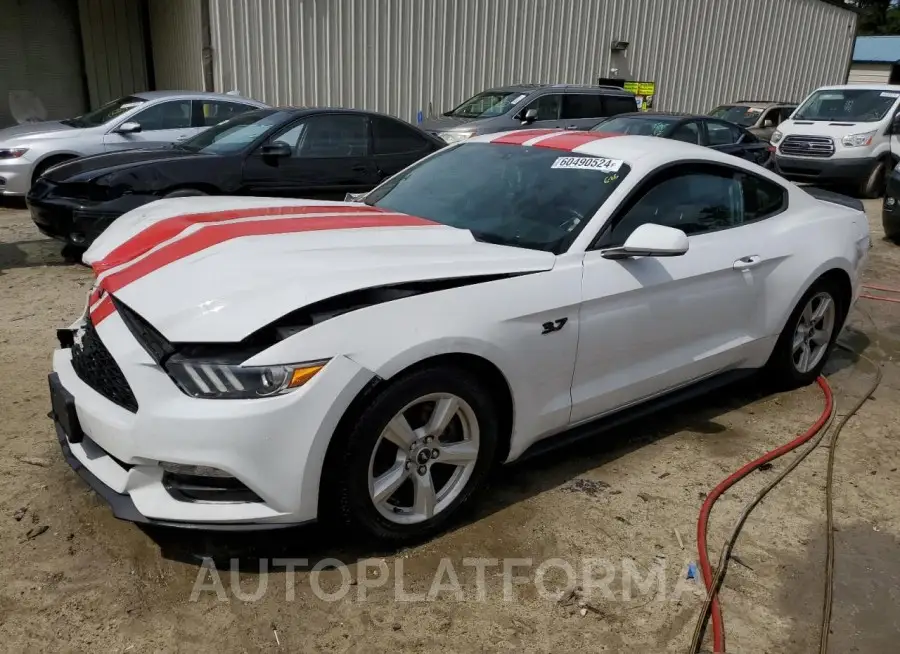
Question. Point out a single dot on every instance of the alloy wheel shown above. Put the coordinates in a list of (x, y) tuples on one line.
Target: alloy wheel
[(813, 332), (424, 458)]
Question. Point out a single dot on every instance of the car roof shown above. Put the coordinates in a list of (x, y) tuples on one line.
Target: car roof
[(658, 114), (530, 88), (760, 104), (159, 95), (642, 153), (861, 87)]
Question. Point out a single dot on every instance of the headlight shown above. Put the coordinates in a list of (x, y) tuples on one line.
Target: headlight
[(455, 137), (776, 137), (857, 140), (227, 381), (12, 153)]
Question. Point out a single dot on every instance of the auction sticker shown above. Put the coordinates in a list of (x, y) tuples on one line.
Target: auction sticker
[(588, 163)]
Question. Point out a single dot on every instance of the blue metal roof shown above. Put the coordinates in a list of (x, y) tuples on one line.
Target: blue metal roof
[(871, 49)]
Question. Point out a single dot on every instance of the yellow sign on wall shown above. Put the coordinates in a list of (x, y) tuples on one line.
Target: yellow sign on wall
[(644, 92)]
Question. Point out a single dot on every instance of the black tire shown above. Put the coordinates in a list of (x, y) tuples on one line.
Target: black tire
[(346, 499), (72, 253), (781, 371), (874, 185), (185, 193)]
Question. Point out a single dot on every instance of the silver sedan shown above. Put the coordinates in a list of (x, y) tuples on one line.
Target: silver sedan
[(142, 120)]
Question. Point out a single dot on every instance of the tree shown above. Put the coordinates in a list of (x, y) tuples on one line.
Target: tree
[(877, 16)]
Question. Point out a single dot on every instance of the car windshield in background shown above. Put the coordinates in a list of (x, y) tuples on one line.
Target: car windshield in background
[(847, 105), (532, 198), (487, 104), (640, 125), (234, 134), (105, 113), (743, 115)]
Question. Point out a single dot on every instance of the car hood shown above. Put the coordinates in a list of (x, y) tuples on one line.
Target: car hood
[(218, 269), (450, 123), (91, 167), (26, 132), (832, 128)]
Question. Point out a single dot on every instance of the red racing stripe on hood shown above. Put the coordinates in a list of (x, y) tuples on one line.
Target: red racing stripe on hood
[(159, 233), (103, 310), (571, 140), (520, 136), (212, 235)]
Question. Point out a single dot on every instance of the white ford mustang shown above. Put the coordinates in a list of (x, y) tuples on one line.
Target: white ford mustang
[(252, 363)]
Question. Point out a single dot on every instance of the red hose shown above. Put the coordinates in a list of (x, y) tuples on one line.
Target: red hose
[(717, 623), (881, 288), (884, 289), (877, 297)]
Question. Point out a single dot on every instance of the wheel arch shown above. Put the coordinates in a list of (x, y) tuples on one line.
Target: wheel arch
[(209, 189), (484, 369), (48, 160)]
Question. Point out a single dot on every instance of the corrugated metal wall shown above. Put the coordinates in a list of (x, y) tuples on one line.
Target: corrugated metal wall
[(401, 56), (869, 74), (176, 33), (115, 59)]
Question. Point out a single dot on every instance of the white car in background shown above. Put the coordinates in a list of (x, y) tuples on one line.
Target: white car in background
[(252, 363), (142, 120)]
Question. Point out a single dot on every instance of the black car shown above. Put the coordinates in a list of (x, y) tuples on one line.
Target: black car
[(703, 130), (286, 152)]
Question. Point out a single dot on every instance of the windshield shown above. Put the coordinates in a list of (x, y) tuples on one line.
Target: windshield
[(641, 125), (534, 198), (105, 113), (234, 134), (847, 105), (487, 104), (743, 115)]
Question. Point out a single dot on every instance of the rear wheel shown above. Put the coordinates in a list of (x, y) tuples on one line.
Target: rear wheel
[(808, 337), (415, 457)]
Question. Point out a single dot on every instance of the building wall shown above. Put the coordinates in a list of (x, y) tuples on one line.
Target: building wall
[(40, 55), (869, 74), (176, 34), (402, 56), (115, 55)]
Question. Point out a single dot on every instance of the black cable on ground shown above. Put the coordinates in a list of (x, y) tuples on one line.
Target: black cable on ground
[(829, 503)]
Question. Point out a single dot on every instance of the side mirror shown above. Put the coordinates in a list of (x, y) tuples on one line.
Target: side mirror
[(768, 123), (650, 240), (530, 116), (277, 149), (355, 197), (128, 127)]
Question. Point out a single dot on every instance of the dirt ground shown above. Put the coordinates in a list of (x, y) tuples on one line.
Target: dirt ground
[(75, 579)]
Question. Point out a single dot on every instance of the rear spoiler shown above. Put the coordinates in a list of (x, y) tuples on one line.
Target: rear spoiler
[(834, 198)]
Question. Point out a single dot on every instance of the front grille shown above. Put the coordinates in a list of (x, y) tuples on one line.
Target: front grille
[(96, 367), (807, 146)]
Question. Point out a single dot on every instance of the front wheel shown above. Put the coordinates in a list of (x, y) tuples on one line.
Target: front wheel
[(416, 456), (808, 337), (874, 185)]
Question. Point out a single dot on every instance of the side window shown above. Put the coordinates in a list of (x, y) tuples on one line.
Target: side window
[(547, 106), (582, 105), (762, 198), (773, 116), (721, 133), (696, 201), (393, 137), (618, 104), (334, 135), (687, 132), (291, 136), (213, 113), (165, 115)]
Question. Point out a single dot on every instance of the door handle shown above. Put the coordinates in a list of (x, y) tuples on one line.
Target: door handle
[(747, 262), (571, 126)]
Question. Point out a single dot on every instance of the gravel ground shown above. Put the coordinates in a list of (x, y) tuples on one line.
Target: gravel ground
[(76, 579)]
